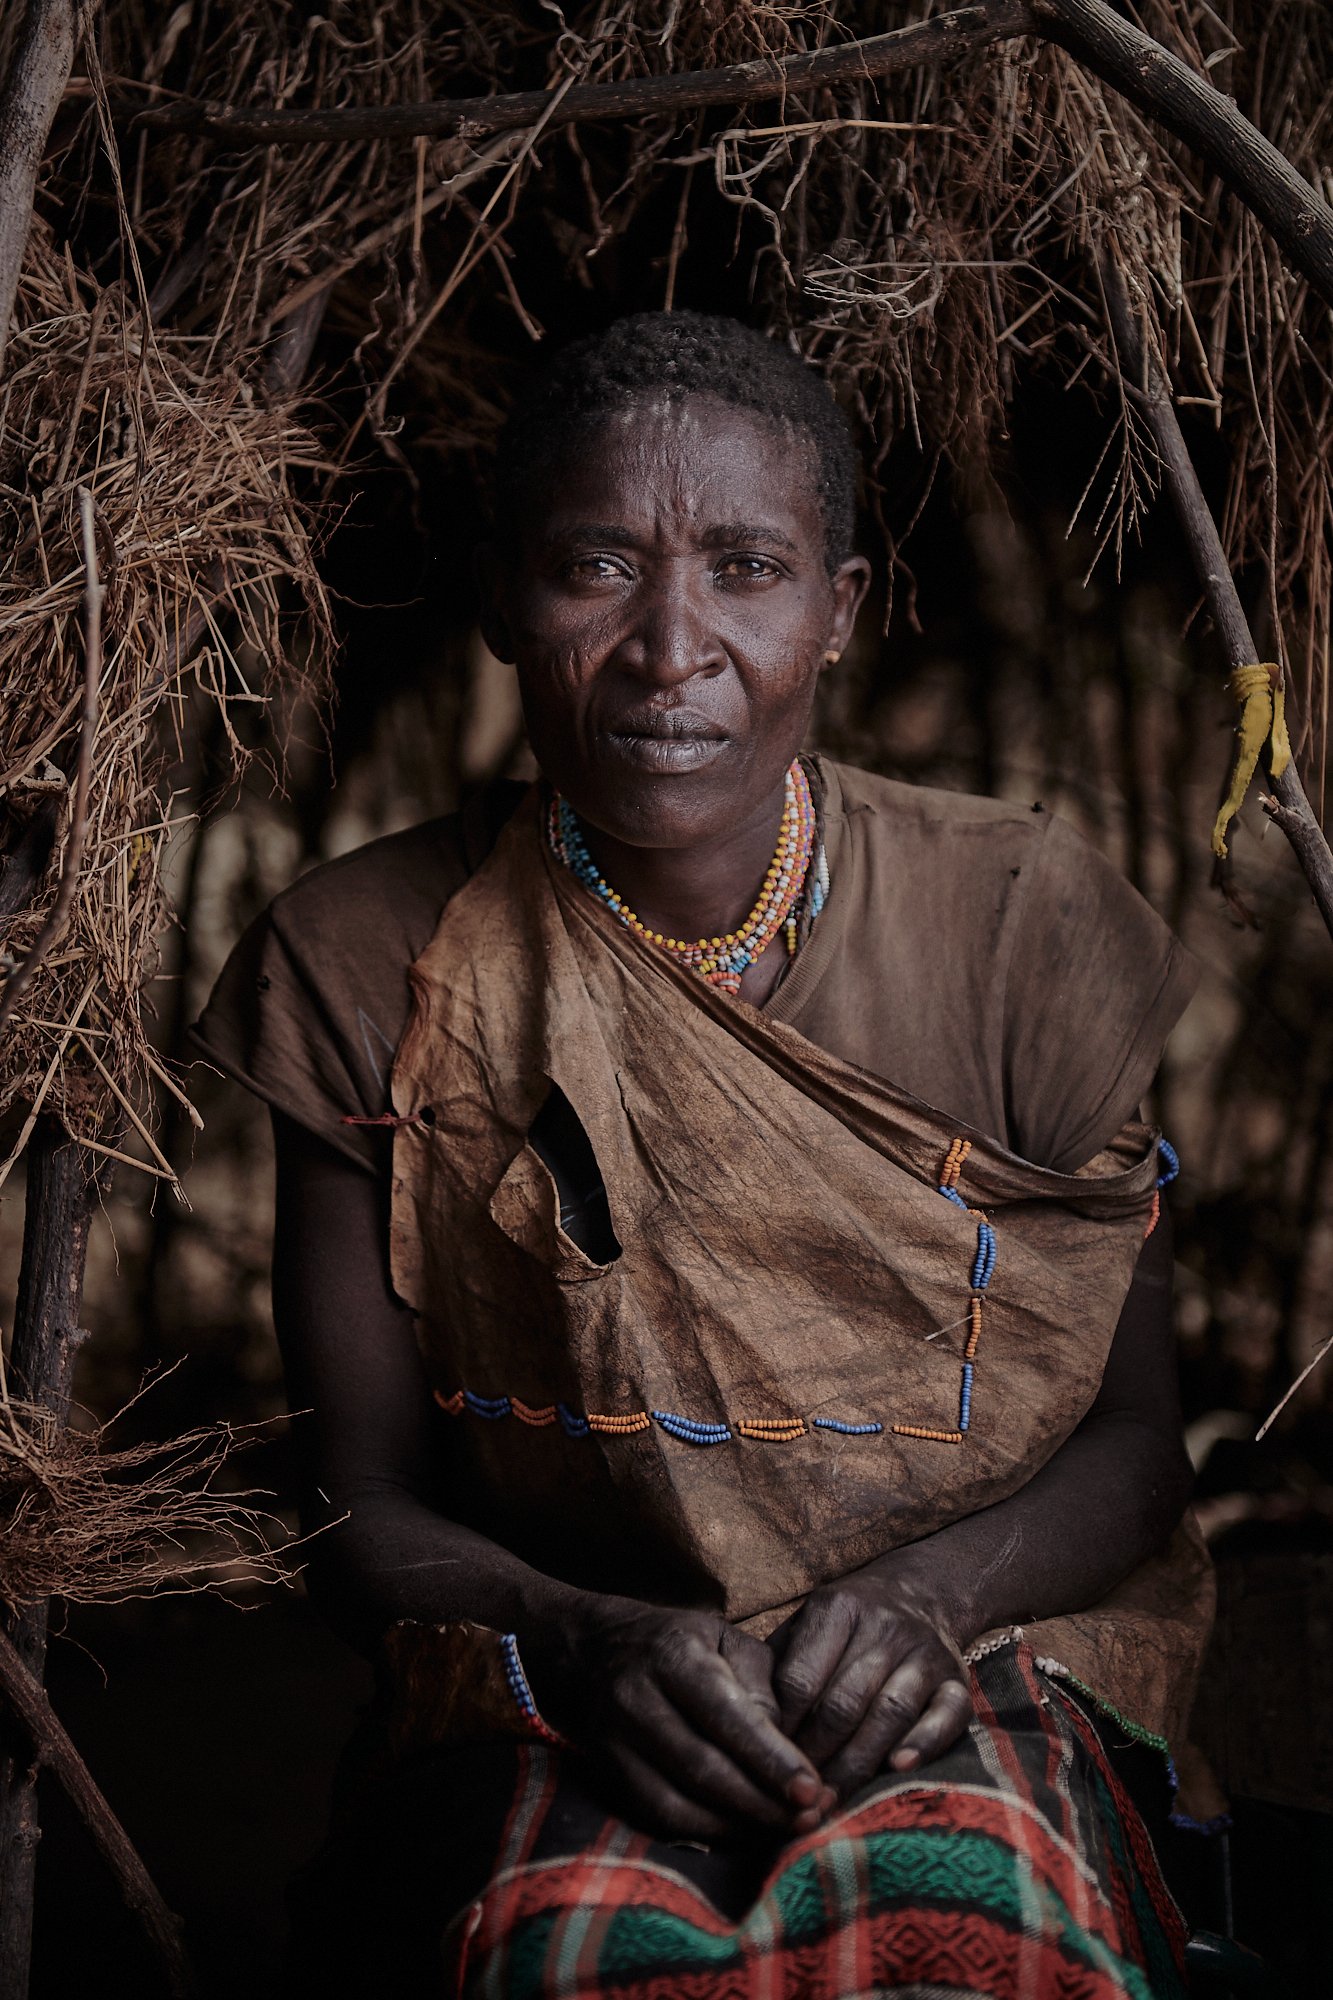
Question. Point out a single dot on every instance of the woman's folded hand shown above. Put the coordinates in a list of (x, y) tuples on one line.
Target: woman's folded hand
[(678, 1709), (868, 1672)]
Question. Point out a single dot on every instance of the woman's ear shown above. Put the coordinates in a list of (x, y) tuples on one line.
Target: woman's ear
[(850, 583), (494, 624)]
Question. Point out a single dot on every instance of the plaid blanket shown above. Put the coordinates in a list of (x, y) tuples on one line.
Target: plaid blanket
[(1015, 1866)]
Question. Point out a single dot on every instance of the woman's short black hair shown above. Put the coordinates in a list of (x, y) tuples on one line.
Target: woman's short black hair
[(680, 354)]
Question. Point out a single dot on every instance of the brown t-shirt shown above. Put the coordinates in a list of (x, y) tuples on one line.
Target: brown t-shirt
[(1002, 971)]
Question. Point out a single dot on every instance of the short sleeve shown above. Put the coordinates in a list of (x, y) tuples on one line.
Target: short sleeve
[(310, 1007), (273, 1024), (1096, 983)]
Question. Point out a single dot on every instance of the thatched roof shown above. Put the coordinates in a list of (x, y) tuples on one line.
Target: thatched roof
[(930, 238)]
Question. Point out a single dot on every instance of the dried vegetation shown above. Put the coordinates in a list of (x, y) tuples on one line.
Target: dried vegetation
[(97, 1522)]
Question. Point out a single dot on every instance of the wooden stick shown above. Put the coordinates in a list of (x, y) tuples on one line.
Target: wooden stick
[(933, 41), (1290, 808), (52, 1748), (57, 1215), (32, 91), (78, 818)]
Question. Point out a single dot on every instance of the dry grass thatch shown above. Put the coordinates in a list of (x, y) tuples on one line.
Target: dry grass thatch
[(929, 234), (202, 553)]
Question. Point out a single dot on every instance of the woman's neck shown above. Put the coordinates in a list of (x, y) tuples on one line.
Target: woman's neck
[(692, 892)]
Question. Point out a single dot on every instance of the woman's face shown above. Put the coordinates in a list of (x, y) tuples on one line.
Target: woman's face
[(668, 607)]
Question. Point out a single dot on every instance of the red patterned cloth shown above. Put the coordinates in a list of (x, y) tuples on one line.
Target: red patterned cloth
[(1015, 1868)]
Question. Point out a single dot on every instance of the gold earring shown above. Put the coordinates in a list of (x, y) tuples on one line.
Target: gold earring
[(831, 658)]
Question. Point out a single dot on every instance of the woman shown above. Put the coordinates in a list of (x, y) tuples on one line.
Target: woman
[(711, 1241)]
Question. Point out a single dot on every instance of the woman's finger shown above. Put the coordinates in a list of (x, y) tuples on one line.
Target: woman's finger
[(812, 1645), (653, 1804), (899, 1706), (752, 1663), (706, 1691), (943, 1722), (701, 1770), (876, 1694)]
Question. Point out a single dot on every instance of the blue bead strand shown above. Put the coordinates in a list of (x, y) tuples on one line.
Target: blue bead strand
[(847, 1430), (985, 1257), (486, 1406), (690, 1430), (1170, 1159), (965, 1399), (522, 1693), (572, 1423), (952, 1194), (517, 1679)]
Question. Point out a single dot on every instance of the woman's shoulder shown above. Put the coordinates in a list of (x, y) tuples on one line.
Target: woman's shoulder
[(388, 891), (310, 1006)]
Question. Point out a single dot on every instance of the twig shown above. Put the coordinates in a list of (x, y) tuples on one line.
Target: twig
[(470, 255), (66, 1032), (106, 1152), (78, 822), (1291, 808), (165, 1167), (53, 1748), (1304, 1375)]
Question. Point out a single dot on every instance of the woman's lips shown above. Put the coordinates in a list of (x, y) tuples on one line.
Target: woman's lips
[(665, 754)]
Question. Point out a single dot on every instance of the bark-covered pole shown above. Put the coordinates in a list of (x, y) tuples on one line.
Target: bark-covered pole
[(1288, 805), (32, 90), (58, 1210), (57, 1214)]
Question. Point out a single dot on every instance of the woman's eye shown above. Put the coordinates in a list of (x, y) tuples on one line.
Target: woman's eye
[(747, 566), (594, 569)]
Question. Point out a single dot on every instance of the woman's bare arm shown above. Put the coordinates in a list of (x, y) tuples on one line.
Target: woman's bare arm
[(681, 1708)]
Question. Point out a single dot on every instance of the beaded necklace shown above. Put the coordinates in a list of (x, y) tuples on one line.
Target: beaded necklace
[(719, 960)]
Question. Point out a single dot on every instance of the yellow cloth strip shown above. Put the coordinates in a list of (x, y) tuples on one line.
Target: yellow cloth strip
[(1263, 719)]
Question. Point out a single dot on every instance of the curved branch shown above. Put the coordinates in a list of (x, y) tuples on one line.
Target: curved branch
[(1193, 110), (32, 91), (933, 41)]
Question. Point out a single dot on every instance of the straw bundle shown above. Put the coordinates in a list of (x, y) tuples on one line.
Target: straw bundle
[(204, 557)]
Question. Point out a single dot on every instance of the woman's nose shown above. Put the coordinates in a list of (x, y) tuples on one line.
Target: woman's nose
[(673, 638)]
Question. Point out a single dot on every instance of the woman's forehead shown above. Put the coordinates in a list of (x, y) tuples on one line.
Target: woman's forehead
[(692, 459)]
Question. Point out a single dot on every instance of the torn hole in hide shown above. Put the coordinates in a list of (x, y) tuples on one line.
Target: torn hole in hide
[(564, 1148)]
